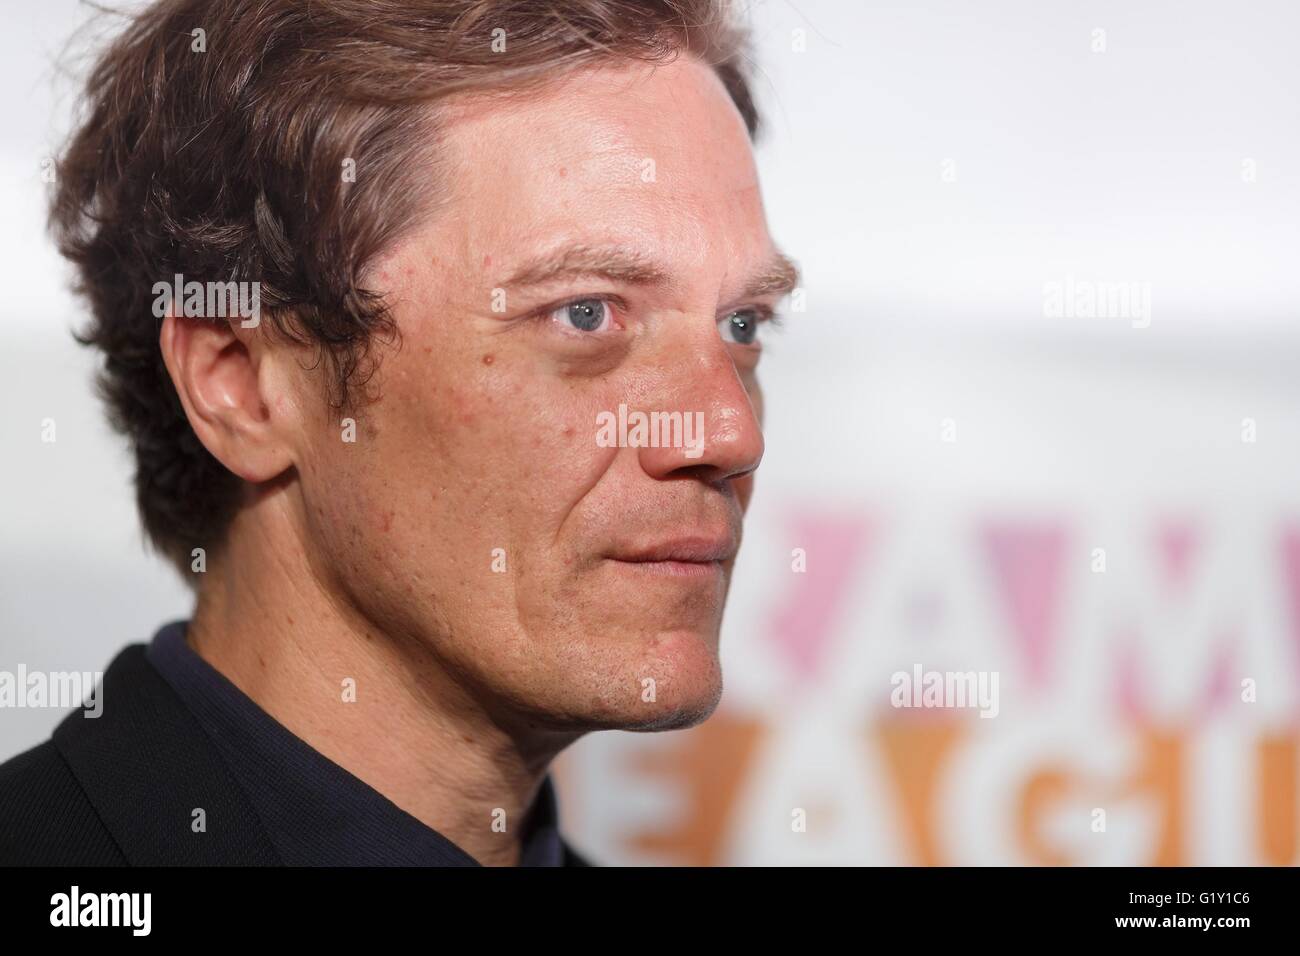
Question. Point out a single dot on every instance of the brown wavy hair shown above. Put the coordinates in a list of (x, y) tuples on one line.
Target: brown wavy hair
[(212, 143)]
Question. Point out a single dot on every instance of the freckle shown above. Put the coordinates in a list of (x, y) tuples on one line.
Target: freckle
[(289, 618), (262, 661), (388, 521), (489, 359)]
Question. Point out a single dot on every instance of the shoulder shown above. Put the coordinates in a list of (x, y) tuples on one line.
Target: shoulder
[(62, 803), (46, 819), (121, 787)]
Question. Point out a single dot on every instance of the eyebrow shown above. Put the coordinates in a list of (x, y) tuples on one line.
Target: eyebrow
[(779, 275)]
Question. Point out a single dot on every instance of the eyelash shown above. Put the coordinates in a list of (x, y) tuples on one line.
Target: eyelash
[(766, 314)]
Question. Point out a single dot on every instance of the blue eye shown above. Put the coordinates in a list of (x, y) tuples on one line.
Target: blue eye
[(585, 315), (741, 326)]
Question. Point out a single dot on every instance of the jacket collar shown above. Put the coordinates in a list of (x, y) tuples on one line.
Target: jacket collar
[(146, 766)]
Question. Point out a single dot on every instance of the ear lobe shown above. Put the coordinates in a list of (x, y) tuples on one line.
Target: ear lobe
[(215, 371)]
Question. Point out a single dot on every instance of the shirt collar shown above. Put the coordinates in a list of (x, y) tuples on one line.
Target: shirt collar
[(315, 812)]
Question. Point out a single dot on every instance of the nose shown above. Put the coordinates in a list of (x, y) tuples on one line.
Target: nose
[(721, 436)]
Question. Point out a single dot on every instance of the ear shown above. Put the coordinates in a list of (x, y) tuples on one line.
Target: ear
[(226, 383)]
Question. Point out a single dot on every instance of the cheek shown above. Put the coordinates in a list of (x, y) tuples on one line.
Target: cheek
[(505, 453), (339, 498)]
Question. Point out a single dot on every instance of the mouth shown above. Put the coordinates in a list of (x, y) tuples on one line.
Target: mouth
[(688, 557), (680, 569)]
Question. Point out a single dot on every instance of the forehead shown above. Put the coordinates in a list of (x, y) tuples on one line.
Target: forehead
[(651, 154)]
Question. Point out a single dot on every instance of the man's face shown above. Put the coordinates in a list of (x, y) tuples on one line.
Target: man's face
[(480, 510)]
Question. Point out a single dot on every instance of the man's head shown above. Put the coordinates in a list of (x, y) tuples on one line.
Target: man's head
[(512, 258)]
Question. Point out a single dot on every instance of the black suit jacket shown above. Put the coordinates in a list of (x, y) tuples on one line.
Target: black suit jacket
[(107, 791)]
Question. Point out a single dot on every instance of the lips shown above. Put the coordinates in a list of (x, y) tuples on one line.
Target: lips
[(692, 555)]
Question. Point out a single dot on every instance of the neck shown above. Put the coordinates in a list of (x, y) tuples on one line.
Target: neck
[(376, 703)]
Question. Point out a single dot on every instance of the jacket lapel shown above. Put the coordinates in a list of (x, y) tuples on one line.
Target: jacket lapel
[(146, 766)]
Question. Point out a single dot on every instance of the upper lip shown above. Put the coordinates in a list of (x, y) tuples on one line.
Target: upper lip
[(694, 548)]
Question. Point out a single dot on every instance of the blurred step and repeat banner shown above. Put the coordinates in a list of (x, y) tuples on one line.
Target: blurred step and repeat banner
[(1021, 578)]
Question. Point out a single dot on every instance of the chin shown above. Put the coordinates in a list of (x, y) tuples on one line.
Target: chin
[(604, 685), (687, 683)]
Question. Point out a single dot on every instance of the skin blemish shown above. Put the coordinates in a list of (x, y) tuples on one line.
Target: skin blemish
[(487, 261), (563, 172), (387, 521), (489, 359)]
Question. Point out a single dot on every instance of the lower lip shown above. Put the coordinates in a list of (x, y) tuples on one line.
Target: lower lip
[(676, 569)]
